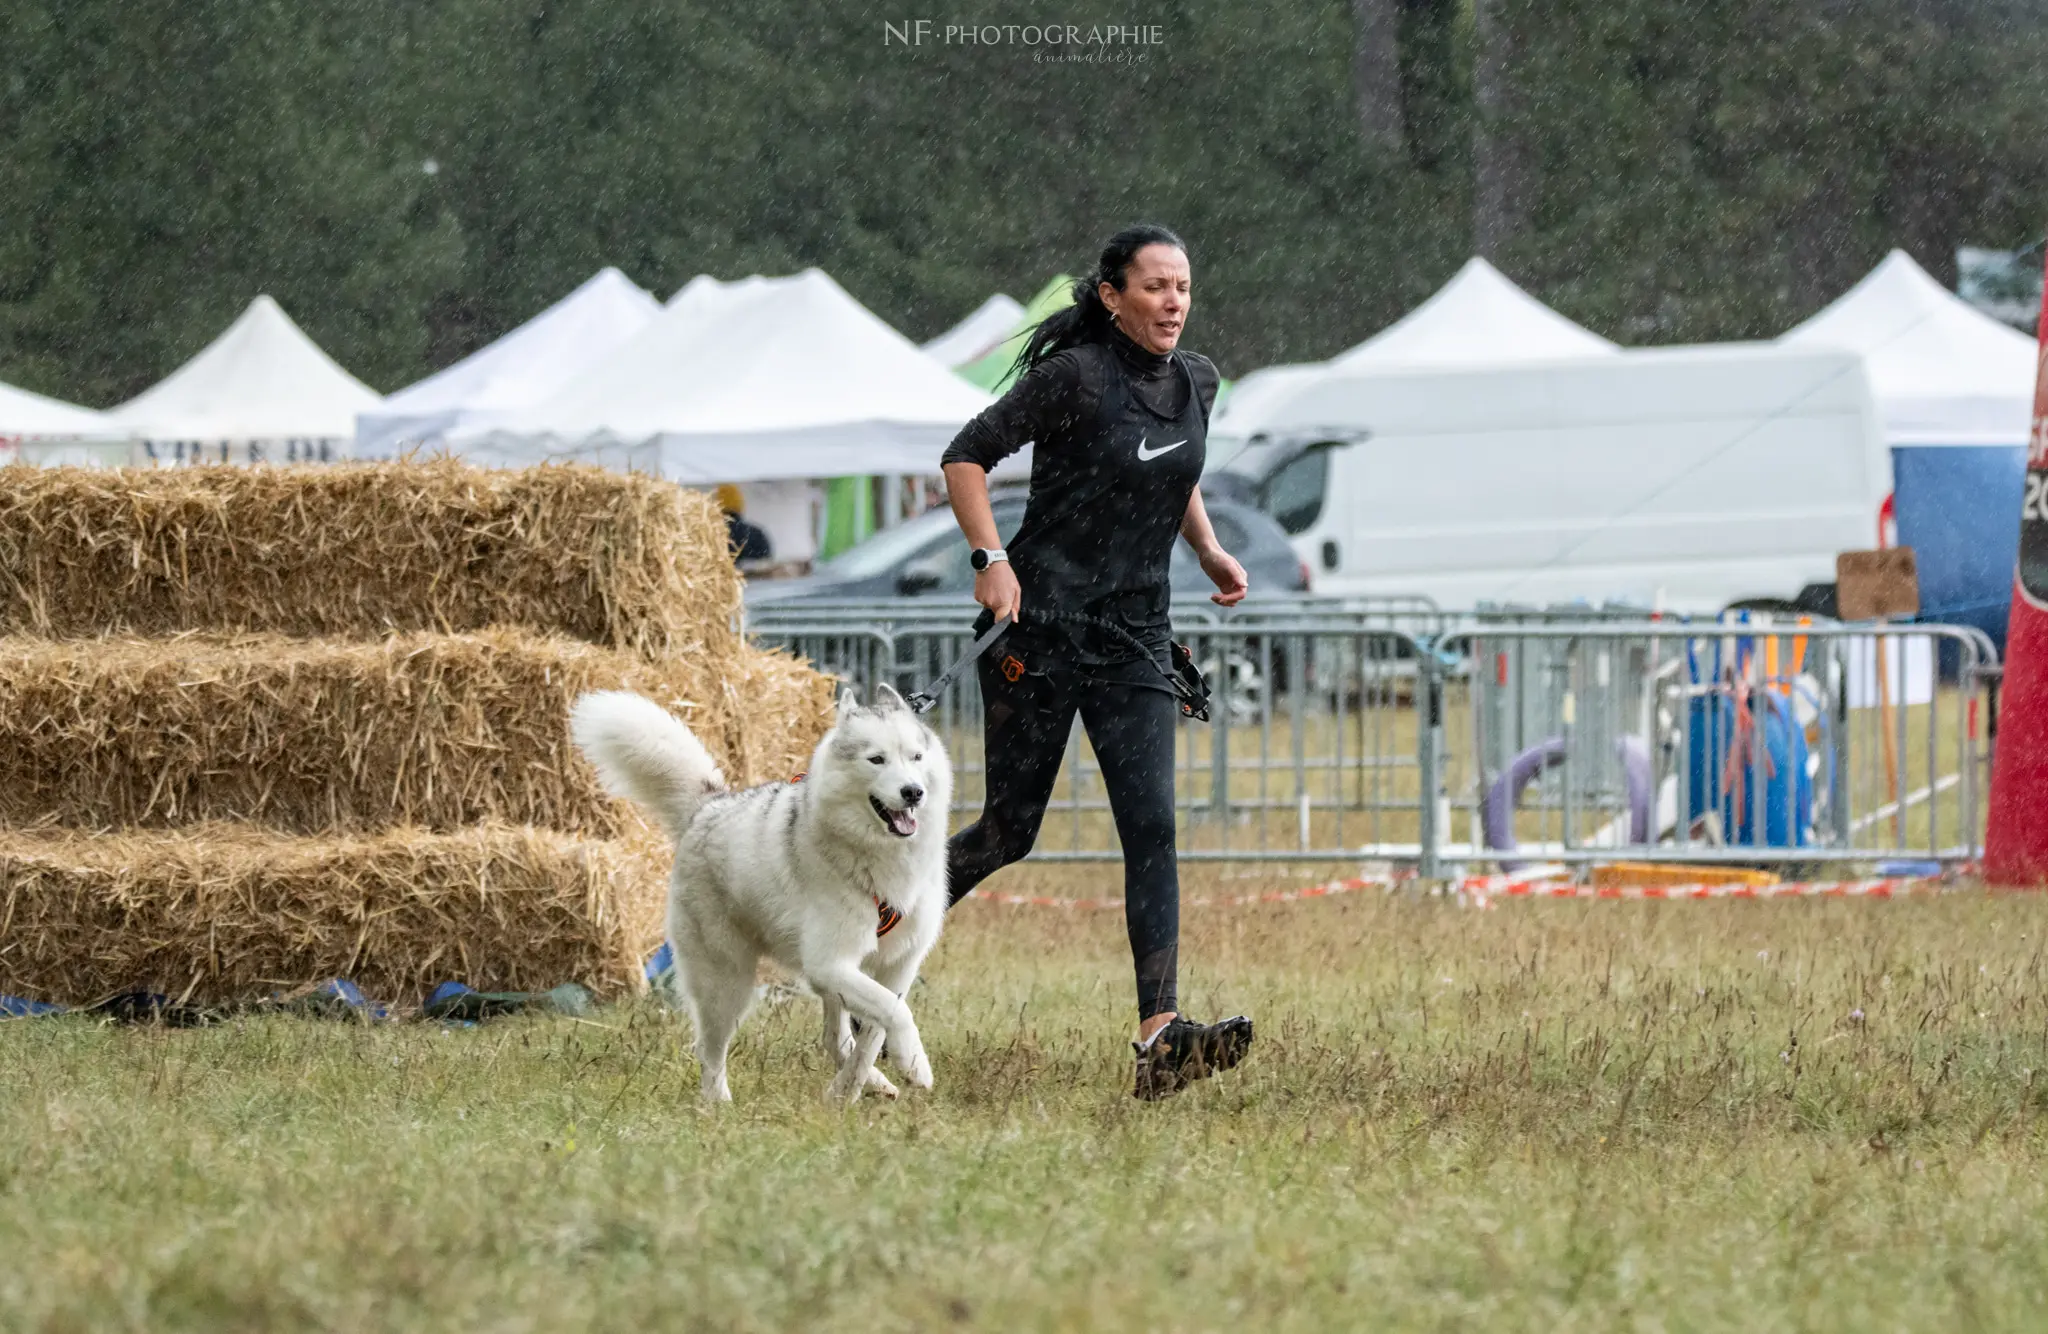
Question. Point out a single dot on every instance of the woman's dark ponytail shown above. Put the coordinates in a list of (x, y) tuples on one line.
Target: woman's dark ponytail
[(1088, 320)]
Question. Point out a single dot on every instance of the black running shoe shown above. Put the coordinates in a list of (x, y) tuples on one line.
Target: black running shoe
[(1184, 1051)]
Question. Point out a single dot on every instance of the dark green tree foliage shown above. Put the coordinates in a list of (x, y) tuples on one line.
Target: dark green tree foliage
[(413, 178), (164, 164), (1714, 169)]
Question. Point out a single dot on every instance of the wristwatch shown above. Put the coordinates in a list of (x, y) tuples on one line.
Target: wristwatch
[(983, 557)]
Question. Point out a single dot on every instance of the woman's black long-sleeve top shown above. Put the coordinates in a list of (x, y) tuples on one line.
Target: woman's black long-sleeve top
[(1119, 439)]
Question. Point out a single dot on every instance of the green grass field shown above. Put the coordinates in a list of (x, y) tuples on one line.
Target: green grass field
[(1780, 1115)]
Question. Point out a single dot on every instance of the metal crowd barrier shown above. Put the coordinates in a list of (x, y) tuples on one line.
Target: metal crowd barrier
[(1394, 731), (1411, 613), (1759, 744)]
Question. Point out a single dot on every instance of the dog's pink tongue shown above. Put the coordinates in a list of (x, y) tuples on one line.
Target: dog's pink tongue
[(903, 822)]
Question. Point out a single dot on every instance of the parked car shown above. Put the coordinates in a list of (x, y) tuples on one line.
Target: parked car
[(927, 556)]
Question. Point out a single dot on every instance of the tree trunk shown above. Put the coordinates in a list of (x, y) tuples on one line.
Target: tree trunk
[(1376, 73), (1500, 196), (1430, 89)]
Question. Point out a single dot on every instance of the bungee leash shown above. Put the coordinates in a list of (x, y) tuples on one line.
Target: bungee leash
[(1185, 680), (921, 701)]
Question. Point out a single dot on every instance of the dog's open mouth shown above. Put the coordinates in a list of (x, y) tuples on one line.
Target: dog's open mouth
[(901, 823)]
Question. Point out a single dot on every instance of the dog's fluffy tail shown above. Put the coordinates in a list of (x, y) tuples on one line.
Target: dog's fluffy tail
[(643, 753)]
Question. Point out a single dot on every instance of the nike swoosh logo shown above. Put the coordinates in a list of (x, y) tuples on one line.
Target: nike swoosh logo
[(1146, 455)]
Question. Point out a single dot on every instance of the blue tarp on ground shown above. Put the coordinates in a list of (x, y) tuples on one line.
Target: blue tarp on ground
[(340, 998)]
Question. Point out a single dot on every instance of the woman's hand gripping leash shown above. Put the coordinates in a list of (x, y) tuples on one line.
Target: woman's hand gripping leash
[(997, 589)]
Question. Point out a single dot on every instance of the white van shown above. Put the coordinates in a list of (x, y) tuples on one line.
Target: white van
[(1683, 478)]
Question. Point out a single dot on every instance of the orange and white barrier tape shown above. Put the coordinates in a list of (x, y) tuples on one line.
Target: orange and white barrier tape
[(1045, 901), (1544, 883), (1512, 881), (1481, 890)]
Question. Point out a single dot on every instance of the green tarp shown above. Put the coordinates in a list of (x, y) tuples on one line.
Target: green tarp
[(991, 370), (849, 514)]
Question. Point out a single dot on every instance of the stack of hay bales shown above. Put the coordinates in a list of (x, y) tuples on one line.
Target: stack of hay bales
[(263, 727)]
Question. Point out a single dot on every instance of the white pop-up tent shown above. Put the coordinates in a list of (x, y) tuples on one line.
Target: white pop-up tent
[(768, 378), (51, 431), (705, 300), (520, 370), (1478, 319), (788, 509), (262, 385), (992, 321), (708, 295), (1955, 392), (1944, 373), (29, 416)]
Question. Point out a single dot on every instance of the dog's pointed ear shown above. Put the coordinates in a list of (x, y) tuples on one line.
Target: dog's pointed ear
[(887, 698), (849, 700)]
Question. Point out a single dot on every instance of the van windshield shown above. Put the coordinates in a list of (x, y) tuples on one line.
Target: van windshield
[(1251, 458), (1293, 495)]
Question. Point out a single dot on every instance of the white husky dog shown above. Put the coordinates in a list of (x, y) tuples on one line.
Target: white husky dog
[(840, 878)]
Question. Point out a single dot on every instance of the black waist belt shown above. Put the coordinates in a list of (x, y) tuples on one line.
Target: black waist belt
[(1185, 679)]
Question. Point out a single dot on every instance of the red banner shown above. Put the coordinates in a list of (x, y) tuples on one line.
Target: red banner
[(2016, 844)]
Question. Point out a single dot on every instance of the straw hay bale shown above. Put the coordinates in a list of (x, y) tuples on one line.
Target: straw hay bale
[(779, 706), (225, 913), (322, 714), (360, 550), (327, 736)]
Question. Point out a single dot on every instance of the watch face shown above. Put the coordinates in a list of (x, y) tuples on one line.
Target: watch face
[(978, 559)]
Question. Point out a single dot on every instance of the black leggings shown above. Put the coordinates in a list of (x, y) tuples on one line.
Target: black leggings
[(1026, 723)]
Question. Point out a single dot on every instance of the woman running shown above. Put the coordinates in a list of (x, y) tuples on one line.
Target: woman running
[(1118, 419)]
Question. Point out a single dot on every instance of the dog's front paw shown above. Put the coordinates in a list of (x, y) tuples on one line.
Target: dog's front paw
[(877, 1082), (842, 1092), (916, 1067)]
